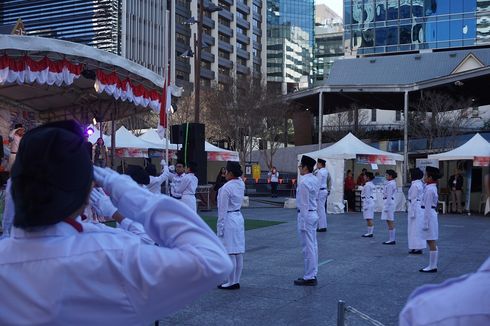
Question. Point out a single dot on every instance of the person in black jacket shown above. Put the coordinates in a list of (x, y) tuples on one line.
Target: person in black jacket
[(455, 184), (220, 181)]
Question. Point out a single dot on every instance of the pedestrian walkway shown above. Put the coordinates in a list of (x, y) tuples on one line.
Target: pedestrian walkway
[(373, 278)]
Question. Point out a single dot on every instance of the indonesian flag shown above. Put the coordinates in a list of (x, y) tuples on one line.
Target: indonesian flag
[(165, 106)]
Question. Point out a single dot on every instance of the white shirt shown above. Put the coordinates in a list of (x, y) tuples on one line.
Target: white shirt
[(416, 191), (322, 175), (155, 185), (464, 300), (367, 192), (274, 176), (187, 185), (389, 190), (175, 179), (230, 199), (58, 276), (430, 197), (307, 194)]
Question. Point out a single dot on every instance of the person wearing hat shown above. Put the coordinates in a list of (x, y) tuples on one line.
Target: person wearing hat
[(367, 197), (430, 226), (230, 225), (415, 212), (306, 202), (187, 186), (322, 175), (59, 271), (15, 136), (388, 213)]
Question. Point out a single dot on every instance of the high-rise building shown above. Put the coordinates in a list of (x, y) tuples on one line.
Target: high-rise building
[(329, 45), (391, 26), (290, 43), (234, 42)]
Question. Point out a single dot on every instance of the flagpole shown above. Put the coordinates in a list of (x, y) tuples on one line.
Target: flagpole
[(166, 74)]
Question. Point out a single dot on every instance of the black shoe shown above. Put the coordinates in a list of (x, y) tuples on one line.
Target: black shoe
[(321, 230), (367, 235), (434, 270), (235, 286), (303, 282), (389, 242), (415, 252)]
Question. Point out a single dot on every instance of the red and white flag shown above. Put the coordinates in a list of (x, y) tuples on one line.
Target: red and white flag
[(165, 106)]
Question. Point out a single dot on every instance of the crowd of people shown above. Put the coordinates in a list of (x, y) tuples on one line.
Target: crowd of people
[(162, 255)]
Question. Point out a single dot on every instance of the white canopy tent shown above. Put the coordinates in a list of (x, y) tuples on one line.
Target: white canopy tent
[(335, 155), (152, 137), (477, 146)]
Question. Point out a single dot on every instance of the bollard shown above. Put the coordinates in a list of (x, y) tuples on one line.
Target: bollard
[(341, 313)]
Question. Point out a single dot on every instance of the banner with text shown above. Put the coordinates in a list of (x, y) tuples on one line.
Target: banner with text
[(375, 159)]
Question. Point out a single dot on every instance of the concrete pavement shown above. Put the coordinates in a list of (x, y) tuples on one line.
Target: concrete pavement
[(374, 278)]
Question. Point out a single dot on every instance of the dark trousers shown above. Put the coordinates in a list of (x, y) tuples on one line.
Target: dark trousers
[(274, 189), (350, 196)]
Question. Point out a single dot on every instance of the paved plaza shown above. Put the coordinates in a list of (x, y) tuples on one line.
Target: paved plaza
[(371, 277)]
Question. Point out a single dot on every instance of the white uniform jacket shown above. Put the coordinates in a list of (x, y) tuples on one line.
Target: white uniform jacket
[(230, 225), (322, 175), (389, 192), (155, 185), (415, 215), (367, 197), (430, 225), (175, 180), (59, 276), (187, 187), (306, 202), (457, 301)]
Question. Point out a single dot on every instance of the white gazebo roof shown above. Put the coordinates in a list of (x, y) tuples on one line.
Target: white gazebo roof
[(152, 137), (476, 146)]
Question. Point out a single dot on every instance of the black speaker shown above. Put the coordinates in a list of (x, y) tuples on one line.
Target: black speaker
[(176, 136), (193, 149)]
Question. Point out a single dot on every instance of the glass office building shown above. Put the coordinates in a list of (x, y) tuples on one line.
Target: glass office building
[(91, 22), (290, 42), (386, 26)]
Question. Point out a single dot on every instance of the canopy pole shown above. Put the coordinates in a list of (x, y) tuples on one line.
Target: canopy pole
[(405, 139), (320, 119), (113, 135)]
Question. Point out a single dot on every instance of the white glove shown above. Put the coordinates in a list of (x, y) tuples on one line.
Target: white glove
[(171, 168), (102, 203), (220, 230), (163, 162), (113, 183)]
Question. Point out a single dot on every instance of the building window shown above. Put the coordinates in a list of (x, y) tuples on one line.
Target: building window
[(241, 45), (224, 71), (256, 9), (224, 55), (223, 21), (398, 116), (224, 38), (242, 61), (373, 115)]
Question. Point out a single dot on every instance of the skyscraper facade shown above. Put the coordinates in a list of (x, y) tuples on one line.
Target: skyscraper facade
[(390, 26), (290, 43)]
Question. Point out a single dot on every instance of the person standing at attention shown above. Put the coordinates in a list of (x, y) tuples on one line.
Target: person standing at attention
[(230, 225), (388, 213), (322, 175), (430, 225), (273, 175), (415, 212), (367, 197), (306, 201)]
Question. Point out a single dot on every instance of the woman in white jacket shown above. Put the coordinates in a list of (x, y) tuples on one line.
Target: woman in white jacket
[(367, 196), (230, 225), (415, 212), (388, 213)]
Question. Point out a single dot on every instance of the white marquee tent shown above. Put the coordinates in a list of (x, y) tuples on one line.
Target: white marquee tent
[(477, 146), (347, 149)]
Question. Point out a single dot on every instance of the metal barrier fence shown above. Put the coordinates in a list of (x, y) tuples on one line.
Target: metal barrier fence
[(349, 316)]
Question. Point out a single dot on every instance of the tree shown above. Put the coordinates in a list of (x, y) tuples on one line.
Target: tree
[(439, 115), (340, 124)]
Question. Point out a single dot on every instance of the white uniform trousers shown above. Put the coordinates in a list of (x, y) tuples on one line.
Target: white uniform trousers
[(190, 201), (415, 224), (309, 245), (322, 213)]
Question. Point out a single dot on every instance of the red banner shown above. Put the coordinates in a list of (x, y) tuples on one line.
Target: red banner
[(375, 159), (482, 161)]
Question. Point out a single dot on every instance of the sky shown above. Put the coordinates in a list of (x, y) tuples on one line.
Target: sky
[(335, 5)]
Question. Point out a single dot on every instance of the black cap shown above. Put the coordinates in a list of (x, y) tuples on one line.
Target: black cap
[(235, 168), (392, 173), (52, 175), (433, 172), (138, 174), (308, 161), (320, 160), (416, 174), (369, 175)]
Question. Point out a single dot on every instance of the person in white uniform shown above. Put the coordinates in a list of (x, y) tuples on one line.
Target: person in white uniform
[(58, 271), (175, 179), (367, 197), (306, 201), (322, 175), (151, 183), (430, 225), (388, 213), (187, 187), (415, 212), (230, 225), (457, 301)]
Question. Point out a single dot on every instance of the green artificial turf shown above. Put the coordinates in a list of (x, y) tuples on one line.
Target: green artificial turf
[(250, 224)]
